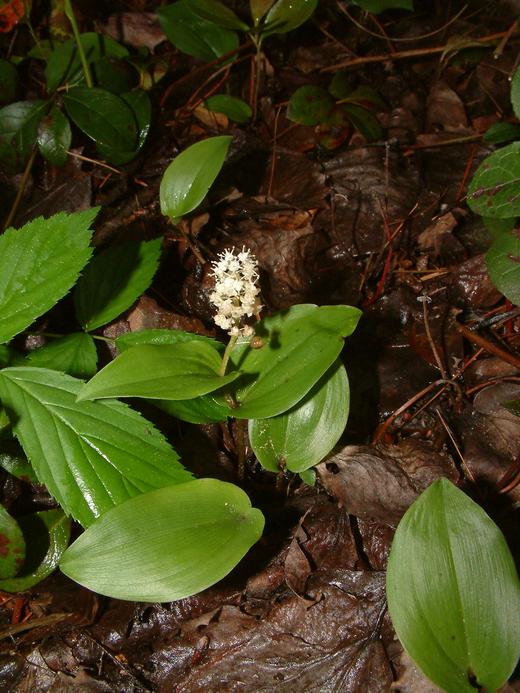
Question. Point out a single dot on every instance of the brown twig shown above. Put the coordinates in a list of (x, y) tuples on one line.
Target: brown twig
[(487, 345), (21, 189), (425, 300)]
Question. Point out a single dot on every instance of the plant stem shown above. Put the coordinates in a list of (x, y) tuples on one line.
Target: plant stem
[(84, 64), (227, 353), (19, 194)]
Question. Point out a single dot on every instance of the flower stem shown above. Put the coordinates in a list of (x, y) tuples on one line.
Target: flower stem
[(227, 353), (69, 12)]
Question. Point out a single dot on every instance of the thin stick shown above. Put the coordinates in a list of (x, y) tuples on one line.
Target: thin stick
[(488, 346), (94, 161), (84, 64), (433, 347), (21, 189)]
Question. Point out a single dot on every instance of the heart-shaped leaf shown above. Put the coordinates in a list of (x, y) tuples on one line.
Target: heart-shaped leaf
[(74, 354), (304, 435), (503, 264), (188, 178), (167, 544), (494, 190), (12, 545), (310, 105), (90, 455), (453, 592)]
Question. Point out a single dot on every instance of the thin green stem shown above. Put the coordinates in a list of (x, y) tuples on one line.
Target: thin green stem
[(227, 354), (84, 64), (21, 189)]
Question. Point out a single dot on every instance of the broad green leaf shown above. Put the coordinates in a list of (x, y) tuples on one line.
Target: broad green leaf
[(216, 12), (310, 105), (515, 93), (167, 544), (495, 188), (364, 121), (378, 6), (47, 535), (5, 356), (499, 133), (8, 81), (235, 109), (64, 64), (116, 75), (308, 476), (503, 264), (38, 265), (140, 103), (131, 339), (199, 410), (104, 117), (259, 8), (18, 131), (453, 592), (286, 15), (193, 35), (178, 371), (114, 280), (300, 345), (54, 137), (12, 545), (74, 354), (188, 178), (90, 455), (363, 96), (497, 226), (304, 435)]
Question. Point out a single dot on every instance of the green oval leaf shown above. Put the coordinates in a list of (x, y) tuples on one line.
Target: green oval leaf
[(8, 81), (54, 137), (364, 121), (303, 436), (140, 103), (310, 105), (258, 9), (104, 117), (199, 410), (495, 188), (131, 339), (453, 592), (286, 15), (90, 455), (114, 280), (499, 133), (18, 131), (180, 371), (47, 536), (188, 178), (38, 265), (167, 544), (503, 264), (12, 545), (299, 346), (74, 354), (235, 109), (218, 13), (378, 6), (515, 93)]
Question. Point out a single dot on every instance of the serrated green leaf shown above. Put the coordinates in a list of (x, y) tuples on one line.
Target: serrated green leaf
[(503, 264), (74, 354), (47, 536), (64, 64), (286, 15), (310, 105), (494, 190), (499, 133), (131, 339), (190, 175), (378, 6), (515, 93), (104, 117), (114, 280), (193, 35), (235, 109), (140, 103), (8, 81), (90, 455), (171, 543), (179, 371), (300, 345), (12, 545), (453, 592), (54, 137), (218, 13), (18, 131), (39, 263), (304, 435)]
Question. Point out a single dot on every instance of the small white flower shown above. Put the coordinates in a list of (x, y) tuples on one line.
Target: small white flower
[(236, 294)]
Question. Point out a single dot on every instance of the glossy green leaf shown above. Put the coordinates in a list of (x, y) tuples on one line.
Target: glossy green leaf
[(235, 109), (364, 121), (54, 137), (90, 455), (64, 64), (286, 15), (503, 264), (259, 8), (74, 354), (131, 339), (188, 178), (38, 265), (378, 6), (453, 592), (15, 463), (218, 13), (104, 117), (167, 544), (310, 105), (495, 188), (114, 280), (116, 75), (304, 435), (179, 371), (515, 93), (199, 410), (140, 103), (193, 35), (12, 545), (499, 133), (8, 82), (47, 536), (18, 131), (300, 345)]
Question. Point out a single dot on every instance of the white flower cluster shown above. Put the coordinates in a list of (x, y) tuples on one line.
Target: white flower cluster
[(236, 292)]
